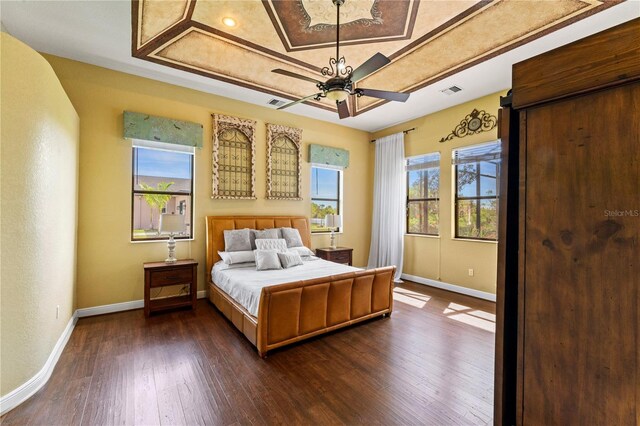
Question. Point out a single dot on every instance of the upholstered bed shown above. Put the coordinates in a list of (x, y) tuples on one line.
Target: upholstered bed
[(298, 310)]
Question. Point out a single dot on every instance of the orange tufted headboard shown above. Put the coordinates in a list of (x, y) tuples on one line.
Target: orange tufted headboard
[(217, 224)]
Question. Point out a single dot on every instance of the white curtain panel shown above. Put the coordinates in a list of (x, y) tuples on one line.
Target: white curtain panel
[(388, 227)]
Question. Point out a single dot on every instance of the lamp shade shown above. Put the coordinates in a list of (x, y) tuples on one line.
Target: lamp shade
[(333, 221), (171, 223)]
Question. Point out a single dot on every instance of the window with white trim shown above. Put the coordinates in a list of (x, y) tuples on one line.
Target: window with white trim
[(326, 196), (162, 182), (477, 176), (423, 194)]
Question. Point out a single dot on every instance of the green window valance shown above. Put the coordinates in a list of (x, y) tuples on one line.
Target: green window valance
[(327, 155), (151, 128)]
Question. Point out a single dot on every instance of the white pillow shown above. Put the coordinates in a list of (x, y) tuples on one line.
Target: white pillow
[(233, 257), (278, 244), (236, 240), (267, 259), (223, 266), (267, 233), (302, 251), (292, 237), (289, 259)]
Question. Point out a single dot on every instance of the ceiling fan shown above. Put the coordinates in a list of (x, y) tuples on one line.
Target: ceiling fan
[(342, 78)]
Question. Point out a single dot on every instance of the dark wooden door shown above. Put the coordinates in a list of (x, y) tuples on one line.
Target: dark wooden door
[(580, 356)]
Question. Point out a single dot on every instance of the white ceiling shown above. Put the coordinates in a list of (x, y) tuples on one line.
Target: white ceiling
[(99, 33)]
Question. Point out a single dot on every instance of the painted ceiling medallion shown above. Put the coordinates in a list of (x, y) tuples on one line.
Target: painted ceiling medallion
[(352, 11), (310, 24), (425, 41)]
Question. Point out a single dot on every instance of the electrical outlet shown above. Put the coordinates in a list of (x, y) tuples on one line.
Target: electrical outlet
[(470, 272), (57, 311)]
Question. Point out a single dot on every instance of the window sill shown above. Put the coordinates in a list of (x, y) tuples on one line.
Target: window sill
[(326, 233), (159, 241), (435, 237), (474, 240)]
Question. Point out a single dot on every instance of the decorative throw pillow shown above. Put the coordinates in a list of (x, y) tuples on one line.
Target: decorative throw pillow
[(292, 237), (302, 251), (277, 244), (233, 257), (237, 240), (267, 259), (289, 259), (272, 233), (252, 238)]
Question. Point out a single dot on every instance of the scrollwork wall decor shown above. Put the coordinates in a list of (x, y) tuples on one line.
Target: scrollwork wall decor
[(234, 153), (284, 158), (475, 122)]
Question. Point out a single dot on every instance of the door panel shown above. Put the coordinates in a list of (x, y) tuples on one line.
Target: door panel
[(582, 269)]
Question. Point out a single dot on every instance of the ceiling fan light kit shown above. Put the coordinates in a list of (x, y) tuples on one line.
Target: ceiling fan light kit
[(342, 78)]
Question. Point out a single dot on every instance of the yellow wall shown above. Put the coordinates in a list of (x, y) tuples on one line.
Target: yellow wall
[(445, 258), (109, 265), (39, 159)]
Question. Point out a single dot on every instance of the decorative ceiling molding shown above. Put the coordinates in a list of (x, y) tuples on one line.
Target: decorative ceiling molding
[(426, 42)]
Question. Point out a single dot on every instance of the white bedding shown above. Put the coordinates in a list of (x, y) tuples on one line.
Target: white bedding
[(245, 285)]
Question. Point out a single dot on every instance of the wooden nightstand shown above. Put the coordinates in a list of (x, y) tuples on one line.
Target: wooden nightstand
[(338, 254), (161, 274)]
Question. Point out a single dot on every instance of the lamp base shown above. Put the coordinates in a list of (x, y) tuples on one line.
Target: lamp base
[(171, 245), (333, 244)]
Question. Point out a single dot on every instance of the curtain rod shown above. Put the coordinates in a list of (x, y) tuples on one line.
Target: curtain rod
[(404, 131)]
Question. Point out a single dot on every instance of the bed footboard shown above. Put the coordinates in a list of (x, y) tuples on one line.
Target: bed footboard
[(295, 311)]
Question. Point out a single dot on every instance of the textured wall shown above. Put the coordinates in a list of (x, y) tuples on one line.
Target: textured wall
[(39, 156), (109, 265), (445, 258)]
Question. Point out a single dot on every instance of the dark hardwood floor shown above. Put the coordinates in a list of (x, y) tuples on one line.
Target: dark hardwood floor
[(430, 363)]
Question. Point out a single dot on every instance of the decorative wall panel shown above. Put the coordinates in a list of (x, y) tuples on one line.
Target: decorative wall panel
[(284, 160), (234, 153)]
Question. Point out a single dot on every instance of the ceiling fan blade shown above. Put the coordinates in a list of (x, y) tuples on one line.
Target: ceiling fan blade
[(343, 109), (383, 94), (306, 98), (294, 75), (371, 65)]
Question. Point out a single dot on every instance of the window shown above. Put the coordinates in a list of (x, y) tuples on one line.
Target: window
[(162, 183), (477, 170), (423, 186), (326, 185)]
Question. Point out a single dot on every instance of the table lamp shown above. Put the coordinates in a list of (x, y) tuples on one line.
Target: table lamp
[(172, 224), (333, 221)]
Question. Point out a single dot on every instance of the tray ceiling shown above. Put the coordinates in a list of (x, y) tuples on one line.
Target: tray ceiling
[(425, 40)]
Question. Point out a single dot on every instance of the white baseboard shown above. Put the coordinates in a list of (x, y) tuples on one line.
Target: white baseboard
[(108, 309), (31, 386), (451, 287), (120, 307), (24, 392)]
